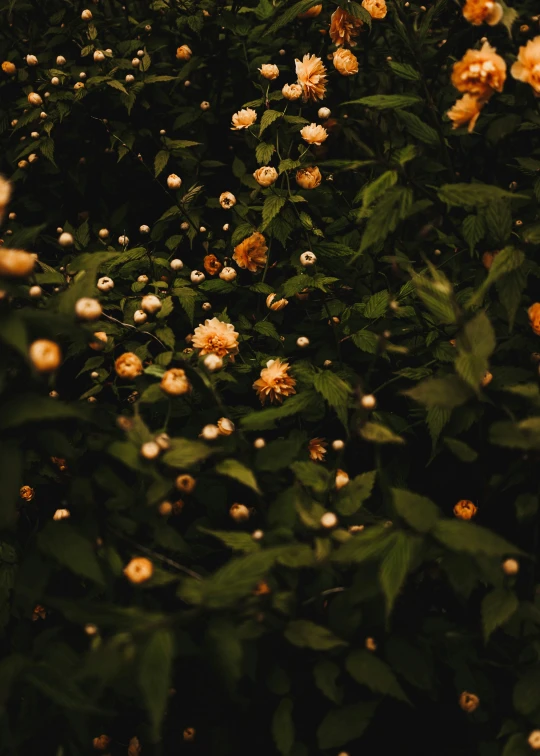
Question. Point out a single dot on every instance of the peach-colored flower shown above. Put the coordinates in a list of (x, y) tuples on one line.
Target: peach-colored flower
[(45, 355), (345, 62), (465, 111), (184, 52), (292, 91), (375, 8), (314, 134), (16, 263), (486, 380), (534, 317), (139, 570), (480, 72), (5, 193), (527, 66), (26, 493), (212, 265), (275, 382), (311, 77), (317, 449), (276, 304), (128, 365), (174, 382), (344, 28), (243, 119), (312, 12), (534, 740), (266, 175), (309, 178), (251, 253), (216, 337), (465, 510), (8, 67), (269, 71), (478, 12)]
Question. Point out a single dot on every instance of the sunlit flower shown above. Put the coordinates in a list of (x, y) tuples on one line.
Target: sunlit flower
[(375, 8), (266, 175), (527, 66), (469, 702), (309, 178), (465, 111), (345, 62), (534, 317), (216, 337), (482, 12), (292, 91), (344, 28), (314, 134), (311, 77), (212, 265), (269, 71), (139, 570), (251, 253), (480, 72), (243, 119), (174, 382), (312, 12), (465, 510), (275, 382), (317, 449)]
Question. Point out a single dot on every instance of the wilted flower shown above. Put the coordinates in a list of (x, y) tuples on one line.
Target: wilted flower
[(292, 91), (317, 449), (39, 613), (216, 337), (101, 743), (465, 111), (312, 12), (212, 265), (465, 510), (275, 382), (128, 365), (184, 52), (314, 133), (469, 702), (26, 493), (251, 253), (311, 77), (309, 178), (139, 570), (243, 119), (174, 382), (534, 317), (269, 71), (344, 28), (345, 62), (480, 72), (45, 355), (375, 8), (15, 263), (266, 175), (227, 200), (274, 304), (527, 66), (482, 12)]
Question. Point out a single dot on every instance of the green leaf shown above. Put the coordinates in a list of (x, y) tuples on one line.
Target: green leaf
[(307, 634), (461, 450), (161, 160), (269, 116), (31, 408), (351, 497), (236, 541), (418, 511), (237, 579), (117, 85), (155, 668), (289, 15), (366, 545), (418, 128), (382, 102), (522, 435), (340, 726), (404, 71), (526, 695), (475, 344), (232, 468), (283, 726), (376, 305), (395, 567), (474, 195), (272, 206), (379, 434), (225, 649), (497, 607), (264, 152), (367, 341), (335, 391), (267, 418), (67, 546), (437, 295), (473, 230), (325, 673), (471, 538), (312, 475), (184, 453), (447, 393), (510, 290), (367, 669), (375, 189)]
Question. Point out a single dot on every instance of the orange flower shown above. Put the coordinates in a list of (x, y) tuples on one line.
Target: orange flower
[(527, 66), (312, 12), (486, 380), (309, 178), (184, 52), (251, 253), (469, 702), (375, 8), (275, 382), (101, 743), (216, 337), (465, 111), (27, 493), (480, 72), (128, 365), (478, 12), (139, 570), (8, 67), (534, 317), (39, 613), (15, 263), (344, 28), (311, 77), (345, 62), (212, 265), (317, 449), (465, 510), (262, 589)]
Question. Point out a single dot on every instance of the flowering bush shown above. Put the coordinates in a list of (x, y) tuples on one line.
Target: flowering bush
[(269, 401)]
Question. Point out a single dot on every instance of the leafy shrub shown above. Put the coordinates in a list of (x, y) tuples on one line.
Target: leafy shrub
[(349, 564)]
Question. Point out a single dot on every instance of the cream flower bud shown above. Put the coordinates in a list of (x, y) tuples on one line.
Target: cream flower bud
[(259, 443), (130, 78), (61, 514), (35, 99), (35, 292), (16, 263), (88, 308), (239, 512), (269, 71), (78, 85), (185, 483), (100, 341), (329, 520), (206, 306), (60, 60), (292, 91), (213, 362), (341, 479), (276, 306), (368, 402), (150, 450), (86, 15), (302, 341), (307, 258), (225, 426), (103, 233), (144, 229), (174, 382), (184, 226), (105, 283), (31, 60), (123, 240), (227, 274), (45, 355), (143, 278), (65, 239), (314, 134), (135, 62), (227, 200), (99, 56), (163, 441), (210, 432), (266, 175), (197, 276), (324, 113), (151, 304), (257, 535), (510, 566), (176, 264), (534, 740), (174, 182), (140, 317), (205, 105)]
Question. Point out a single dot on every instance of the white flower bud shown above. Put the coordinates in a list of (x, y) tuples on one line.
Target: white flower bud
[(87, 308), (213, 362), (259, 443), (140, 317), (205, 105), (144, 229), (227, 274), (86, 15), (307, 258), (227, 200), (197, 276), (150, 450), (129, 78), (184, 226), (174, 182), (103, 233), (55, 81), (35, 99), (324, 113), (329, 520), (65, 239), (123, 240), (510, 566), (105, 284), (176, 264), (338, 444), (210, 432), (341, 479), (135, 62), (35, 292), (239, 512), (143, 278), (368, 401), (225, 426), (206, 306), (99, 56), (94, 374), (60, 60), (226, 227), (31, 60), (302, 341), (151, 304), (61, 514)]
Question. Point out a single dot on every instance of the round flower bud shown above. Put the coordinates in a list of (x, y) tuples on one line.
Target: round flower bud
[(31, 60), (54, 394), (86, 15), (16, 263), (227, 200), (370, 644), (329, 520), (139, 570), (143, 278), (123, 240), (94, 374), (176, 264), (226, 227), (45, 355), (22, 164), (65, 239), (150, 450), (130, 78), (34, 135), (469, 702), (99, 56), (61, 514), (259, 443), (341, 479), (210, 432), (465, 509), (307, 258), (510, 566), (128, 366), (266, 175), (174, 182), (135, 62), (151, 304), (140, 317), (324, 113), (225, 426), (100, 341), (276, 306), (368, 402), (197, 276), (302, 341), (32, 158), (206, 306), (534, 740), (174, 382), (165, 508), (183, 53), (9, 68), (227, 274), (88, 308), (35, 99), (185, 483), (213, 362), (60, 60), (144, 229), (78, 85), (91, 629), (55, 81), (35, 292), (269, 71), (205, 105), (105, 283), (239, 512), (184, 226), (103, 233), (202, 229)]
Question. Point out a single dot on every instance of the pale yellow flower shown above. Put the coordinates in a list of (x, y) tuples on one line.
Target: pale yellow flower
[(345, 62), (275, 382), (266, 175), (292, 91), (243, 119), (478, 12), (216, 337), (344, 28), (269, 71), (527, 66), (317, 449), (465, 111), (308, 178), (480, 72), (251, 253), (314, 134), (311, 77)]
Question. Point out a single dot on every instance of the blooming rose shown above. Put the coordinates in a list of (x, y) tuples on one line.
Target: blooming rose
[(480, 72), (527, 66), (216, 337), (344, 28), (269, 71), (534, 317), (309, 178), (345, 62), (314, 134), (251, 253), (243, 119), (375, 8), (128, 365), (311, 77), (174, 382), (266, 175), (291, 91), (482, 11), (465, 111), (275, 382), (15, 263), (184, 53)]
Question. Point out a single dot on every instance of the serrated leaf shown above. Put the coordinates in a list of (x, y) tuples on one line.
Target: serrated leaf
[(352, 496), (474, 195), (418, 128), (307, 634), (117, 85), (335, 391), (395, 567), (383, 102), (367, 341), (155, 675), (312, 475), (342, 725), (289, 15), (184, 453), (376, 305), (461, 450), (160, 161), (264, 152), (475, 344), (70, 548), (418, 511), (379, 434), (325, 674), (272, 205), (404, 71), (232, 468), (269, 116), (447, 393), (474, 230), (497, 607), (471, 538), (236, 541), (367, 669)]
